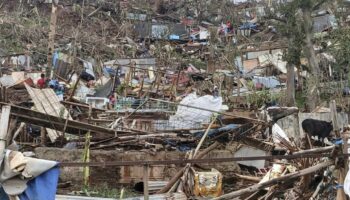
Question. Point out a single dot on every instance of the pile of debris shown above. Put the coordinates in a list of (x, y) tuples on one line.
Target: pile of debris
[(155, 104)]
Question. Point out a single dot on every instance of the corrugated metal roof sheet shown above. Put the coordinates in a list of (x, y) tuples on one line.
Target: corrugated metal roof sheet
[(324, 22)]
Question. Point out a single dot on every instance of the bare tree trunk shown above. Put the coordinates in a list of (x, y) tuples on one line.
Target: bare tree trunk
[(156, 5), (290, 85), (51, 42), (313, 80), (300, 78)]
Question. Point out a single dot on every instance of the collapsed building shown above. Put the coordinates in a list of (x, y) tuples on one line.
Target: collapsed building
[(164, 110)]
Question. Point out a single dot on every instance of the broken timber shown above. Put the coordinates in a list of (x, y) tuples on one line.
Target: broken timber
[(53, 122), (274, 181)]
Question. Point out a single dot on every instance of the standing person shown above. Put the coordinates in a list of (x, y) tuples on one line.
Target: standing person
[(112, 101), (42, 81)]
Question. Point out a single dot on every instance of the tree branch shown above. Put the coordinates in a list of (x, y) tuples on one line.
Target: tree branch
[(317, 6)]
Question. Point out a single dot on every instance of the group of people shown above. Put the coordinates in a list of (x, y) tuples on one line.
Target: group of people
[(44, 82)]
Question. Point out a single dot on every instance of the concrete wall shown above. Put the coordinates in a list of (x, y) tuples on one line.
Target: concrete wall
[(127, 174), (251, 151), (292, 124)]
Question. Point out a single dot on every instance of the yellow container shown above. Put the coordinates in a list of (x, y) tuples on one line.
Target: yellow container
[(208, 184)]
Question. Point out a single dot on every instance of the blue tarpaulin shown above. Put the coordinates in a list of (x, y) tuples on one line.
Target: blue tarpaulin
[(42, 187), (248, 25), (3, 195), (180, 147), (214, 132), (54, 59), (174, 37)]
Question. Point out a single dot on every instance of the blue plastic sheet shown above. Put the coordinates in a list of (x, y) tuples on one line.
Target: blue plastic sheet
[(248, 25), (180, 147), (214, 132), (42, 187), (55, 58), (174, 37), (3, 195)]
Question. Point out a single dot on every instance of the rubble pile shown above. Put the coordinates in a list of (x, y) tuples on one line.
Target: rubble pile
[(170, 100)]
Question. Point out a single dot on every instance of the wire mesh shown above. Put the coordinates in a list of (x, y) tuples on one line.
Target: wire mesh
[(166, 125), (183, 118), (142, 105)]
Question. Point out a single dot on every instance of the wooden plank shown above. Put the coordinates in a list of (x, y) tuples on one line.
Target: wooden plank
[(334, 115), (145, 182), (43, 136), (341, 176), (11, 128), (46, 101), (74, 88), (53, 122), (179, 174), (4, 123)]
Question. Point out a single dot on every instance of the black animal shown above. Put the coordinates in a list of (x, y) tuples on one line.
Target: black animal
[(86, 76), (319, 128)]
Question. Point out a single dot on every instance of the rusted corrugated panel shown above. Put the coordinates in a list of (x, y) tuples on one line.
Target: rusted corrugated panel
[(249, 65), (135, 173), (46, 101)]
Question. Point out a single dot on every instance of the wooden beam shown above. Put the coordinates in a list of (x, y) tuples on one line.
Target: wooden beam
[(74, 87), (315, 150), (249, 178), (274, 181), (57, 123), (342, 173), (4, 123), (334, 115), (179, 174), (11, 128), (18, 131), (42, 136), (145, 182)]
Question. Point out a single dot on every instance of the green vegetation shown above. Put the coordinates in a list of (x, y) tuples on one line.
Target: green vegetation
[(300, 99), (258, 98)]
